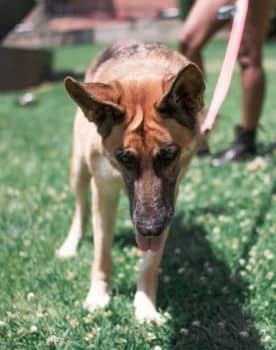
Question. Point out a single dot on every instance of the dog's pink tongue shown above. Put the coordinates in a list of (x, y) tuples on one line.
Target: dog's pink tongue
[(149, 243)]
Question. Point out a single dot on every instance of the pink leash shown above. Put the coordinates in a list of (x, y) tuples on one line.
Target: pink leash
[(228, 65)]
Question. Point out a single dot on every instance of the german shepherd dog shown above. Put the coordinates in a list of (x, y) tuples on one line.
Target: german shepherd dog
[(136, 127)]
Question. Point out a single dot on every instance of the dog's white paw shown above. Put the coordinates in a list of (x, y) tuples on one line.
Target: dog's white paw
[(145, 311), (149, 316), (66, 251), (98, 297)]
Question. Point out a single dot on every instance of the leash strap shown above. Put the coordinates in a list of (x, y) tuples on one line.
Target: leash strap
[(228, 65)]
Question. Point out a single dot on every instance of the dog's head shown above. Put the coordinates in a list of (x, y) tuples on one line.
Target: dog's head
[(149, 130)]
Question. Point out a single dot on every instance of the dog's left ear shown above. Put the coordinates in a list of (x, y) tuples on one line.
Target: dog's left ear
[(183, 97), (98, 102)]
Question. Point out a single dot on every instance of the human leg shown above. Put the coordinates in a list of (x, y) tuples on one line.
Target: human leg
[(200, 24), (253, 83)]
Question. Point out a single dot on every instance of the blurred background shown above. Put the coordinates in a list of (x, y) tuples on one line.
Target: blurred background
[(217, 287), (28, 28)]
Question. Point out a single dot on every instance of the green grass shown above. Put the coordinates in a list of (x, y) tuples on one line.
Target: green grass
[(216, 280)]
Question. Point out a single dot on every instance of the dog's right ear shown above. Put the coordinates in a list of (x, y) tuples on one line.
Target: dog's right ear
[(98, 103), (183, 97)]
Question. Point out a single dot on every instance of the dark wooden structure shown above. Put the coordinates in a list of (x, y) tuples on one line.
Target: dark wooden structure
[(21, 68)]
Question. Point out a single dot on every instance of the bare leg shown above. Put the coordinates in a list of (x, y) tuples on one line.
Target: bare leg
[(145, 297), (253, 84), (250, 59), (79, 183), (105, 196), (198, 27)]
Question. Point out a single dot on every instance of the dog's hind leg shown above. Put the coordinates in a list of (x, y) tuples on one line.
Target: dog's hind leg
[(105, 195), (145, 297), (79, 180)]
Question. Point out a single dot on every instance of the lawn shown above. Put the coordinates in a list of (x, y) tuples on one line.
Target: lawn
[(217, 279)]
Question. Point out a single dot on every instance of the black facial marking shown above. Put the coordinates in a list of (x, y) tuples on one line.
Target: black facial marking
[(127, 159), (165, 157), (106, 118), (151, 214)]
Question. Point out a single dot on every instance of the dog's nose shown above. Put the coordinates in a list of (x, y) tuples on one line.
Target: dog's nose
[(150, 228)]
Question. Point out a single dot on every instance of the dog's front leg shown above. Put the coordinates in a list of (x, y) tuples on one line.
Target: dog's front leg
[(105, 196), (145, 297)]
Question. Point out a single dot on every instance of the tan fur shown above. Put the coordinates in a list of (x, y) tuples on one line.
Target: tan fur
[(124, 105)]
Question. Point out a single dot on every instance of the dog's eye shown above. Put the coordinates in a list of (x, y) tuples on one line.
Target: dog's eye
[(166, 156), (127, 159)]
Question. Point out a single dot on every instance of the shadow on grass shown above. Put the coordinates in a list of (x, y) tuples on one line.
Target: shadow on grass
[(205, 301), (266, 149), (259, 221)]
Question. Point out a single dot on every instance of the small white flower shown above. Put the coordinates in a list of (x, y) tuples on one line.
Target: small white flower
[(74, 323), (181, 270), (108, 313), (70, 275), (151, 336), (242, 262), (253, 252), (268, 255), (91, 335), (20, 331), (89, 318), (10, 315), (166, 279), (77, 303), (33, 329), (256, 164), (53, 339), (244, 334), (167, 316), (157, 347), (121, 275), (266, 338), (210, 270), (269, 275), (26, 242), (30, 296), (128, 223), (217, 231), (245, 223), (184, 331), (196, 323)]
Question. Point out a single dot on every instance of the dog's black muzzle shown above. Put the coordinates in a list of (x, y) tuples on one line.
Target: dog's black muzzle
[(149, 223)]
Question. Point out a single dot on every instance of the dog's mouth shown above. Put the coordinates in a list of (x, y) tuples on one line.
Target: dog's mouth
[(146, 243)]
